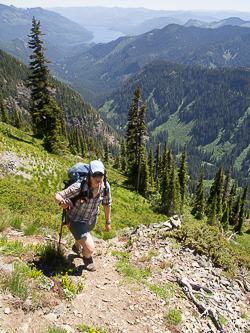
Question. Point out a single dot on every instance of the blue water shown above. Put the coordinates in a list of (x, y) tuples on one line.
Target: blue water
[(103, 35)]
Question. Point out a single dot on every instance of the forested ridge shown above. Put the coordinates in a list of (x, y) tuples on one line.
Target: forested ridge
[(13, 80), (206, 108), (104, 67)]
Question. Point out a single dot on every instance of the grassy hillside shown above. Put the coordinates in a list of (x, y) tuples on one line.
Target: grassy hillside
[(205, 108), (29, 194), (27, 201)]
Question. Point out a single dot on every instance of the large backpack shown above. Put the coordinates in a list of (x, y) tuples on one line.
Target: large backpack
[(77, 172)]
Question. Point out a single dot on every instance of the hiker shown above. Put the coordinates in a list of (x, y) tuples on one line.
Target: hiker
[(82, 216)]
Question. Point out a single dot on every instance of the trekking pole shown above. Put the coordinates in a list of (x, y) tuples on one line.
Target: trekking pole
[(63, 217), (60, 233)]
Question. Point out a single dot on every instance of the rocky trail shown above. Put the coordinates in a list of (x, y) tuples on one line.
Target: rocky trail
[(175, 279)]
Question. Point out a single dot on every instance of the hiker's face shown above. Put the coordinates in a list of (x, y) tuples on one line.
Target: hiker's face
[(97, 178)]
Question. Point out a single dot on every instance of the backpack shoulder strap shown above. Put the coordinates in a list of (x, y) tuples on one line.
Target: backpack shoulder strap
[(83, 193)]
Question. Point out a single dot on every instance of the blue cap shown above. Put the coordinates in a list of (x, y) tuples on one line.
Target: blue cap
[(96, 166)]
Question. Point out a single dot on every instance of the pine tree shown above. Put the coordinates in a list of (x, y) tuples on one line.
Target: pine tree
[(240, 226), (144, 181), (212, 216), (117, 163), (4, 112), (217, 189), (182, 173), (106, 152), (17, 121), (157, 162), (151, 168), (135, 137), (174, 192), (198, 202), (226, 186), (225, 216), (44, 111)]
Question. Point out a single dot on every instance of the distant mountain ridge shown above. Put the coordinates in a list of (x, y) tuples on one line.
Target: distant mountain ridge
[(104, 67), (16, 23), (214, 25), (209, 109)]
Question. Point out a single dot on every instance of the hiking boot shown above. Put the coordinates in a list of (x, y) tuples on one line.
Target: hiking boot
[(88, 262), (76, 250)]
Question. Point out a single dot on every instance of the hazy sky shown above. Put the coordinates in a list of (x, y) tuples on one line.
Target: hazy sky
[(236, 5)]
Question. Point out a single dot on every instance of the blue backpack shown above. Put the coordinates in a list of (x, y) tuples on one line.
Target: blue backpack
[(77, 172)]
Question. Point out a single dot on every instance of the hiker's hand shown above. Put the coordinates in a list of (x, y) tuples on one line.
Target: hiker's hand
[(64, 204), (107, 227)]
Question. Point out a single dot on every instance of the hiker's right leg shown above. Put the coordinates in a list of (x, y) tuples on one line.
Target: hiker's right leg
[(82, 238), (87, 244)]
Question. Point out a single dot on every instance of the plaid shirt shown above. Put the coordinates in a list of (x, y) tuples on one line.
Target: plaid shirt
[(87, 211)]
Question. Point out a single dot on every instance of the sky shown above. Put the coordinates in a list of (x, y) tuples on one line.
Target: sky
[(211, 5)]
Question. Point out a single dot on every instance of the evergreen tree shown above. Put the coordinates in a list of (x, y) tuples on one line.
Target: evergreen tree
[(182, 173), (144, 180), (226, 186), (17, 121), (174, 192), (225, 216), (198, 202), (232, 195), (106, 150), (212, 212), (217, 189), (236, 211), (157, 162), (123, 148), (83, 144), (44, 111), (165, 156), (4, 112), (151, 168), (117, 163), (135, 137), (240, 226)]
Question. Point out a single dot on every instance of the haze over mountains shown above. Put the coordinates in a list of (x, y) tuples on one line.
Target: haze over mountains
[(163, 61)]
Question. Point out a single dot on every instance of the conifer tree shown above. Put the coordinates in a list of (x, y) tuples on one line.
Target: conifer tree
[(144, 180), (4, 112), (135, 137), (165, 156), (231, 199), (106, 152), (17, 122), (44, 111), (226, 186), (164, 190), (212, 212), (83, 144), (225, 216), (240, 226), (151, 168), (217, 189), (157, 161), (182, 173), (174, 192), (117, 163), (198, 202)]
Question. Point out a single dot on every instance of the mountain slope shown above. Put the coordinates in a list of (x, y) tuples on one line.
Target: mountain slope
[(16, 23), (106, 66), (13, 77), (207, 108)]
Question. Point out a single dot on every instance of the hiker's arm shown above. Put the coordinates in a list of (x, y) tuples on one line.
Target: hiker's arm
[(107, 213), (60, 200)]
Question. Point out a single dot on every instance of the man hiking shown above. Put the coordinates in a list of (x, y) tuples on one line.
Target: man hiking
[(83, 215)]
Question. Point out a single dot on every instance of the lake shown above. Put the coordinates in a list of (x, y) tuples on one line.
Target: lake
[(103, 34)]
